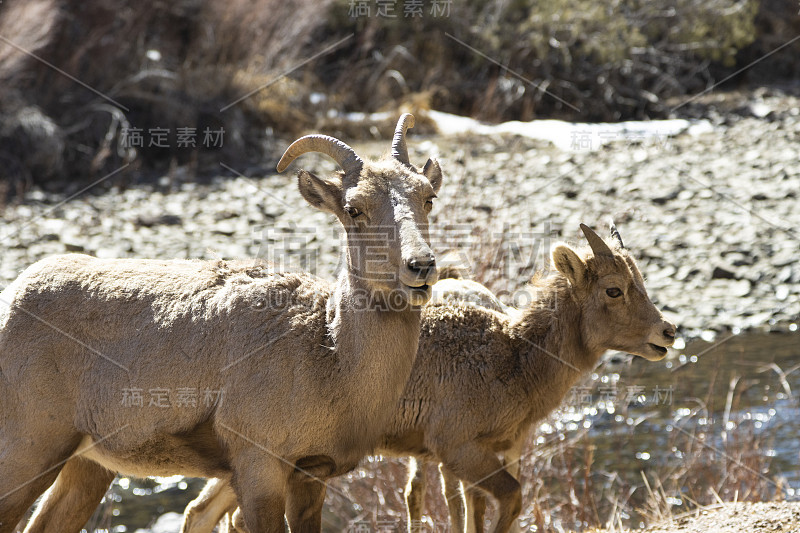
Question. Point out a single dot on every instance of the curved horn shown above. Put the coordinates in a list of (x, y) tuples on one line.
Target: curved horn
[(616, 236), (598, 245), (399, 150), (339, 151)]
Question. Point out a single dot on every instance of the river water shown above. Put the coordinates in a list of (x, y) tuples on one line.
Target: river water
[(731, 385), (721, 416)]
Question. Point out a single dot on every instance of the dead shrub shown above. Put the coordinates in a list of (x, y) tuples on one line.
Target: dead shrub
[(181, 64), (144, 66)]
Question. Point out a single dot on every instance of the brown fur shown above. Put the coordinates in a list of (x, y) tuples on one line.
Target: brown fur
[(483, 377), (309, 371)]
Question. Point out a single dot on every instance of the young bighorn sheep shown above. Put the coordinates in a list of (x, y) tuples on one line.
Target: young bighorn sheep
[(482, 377), (307, 373)]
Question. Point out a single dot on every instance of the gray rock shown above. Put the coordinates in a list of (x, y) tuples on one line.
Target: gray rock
[(723, 272), (148, 221)]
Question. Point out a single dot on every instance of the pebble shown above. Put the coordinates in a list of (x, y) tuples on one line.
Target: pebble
[(711, 217)]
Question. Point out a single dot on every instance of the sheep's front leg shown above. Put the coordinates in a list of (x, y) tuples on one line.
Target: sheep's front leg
[(415, 494), (27, 468), (260, 482), (72, 499), (304, 505), (212, 504), (511, 462), (481, 468), (476, 499)]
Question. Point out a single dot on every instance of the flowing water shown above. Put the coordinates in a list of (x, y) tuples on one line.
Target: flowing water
[(640, 416)]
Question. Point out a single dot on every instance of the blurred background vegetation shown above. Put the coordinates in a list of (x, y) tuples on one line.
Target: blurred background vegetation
[(172, 64)]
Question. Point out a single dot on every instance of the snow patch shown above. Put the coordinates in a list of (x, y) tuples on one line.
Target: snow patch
[(573, 136)]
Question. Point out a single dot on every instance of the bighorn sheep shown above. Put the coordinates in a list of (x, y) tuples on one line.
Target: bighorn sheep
[(305, 373), (483, 377)]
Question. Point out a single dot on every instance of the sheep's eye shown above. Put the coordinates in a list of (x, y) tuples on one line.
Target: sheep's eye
[(614, 292), (352, 211)]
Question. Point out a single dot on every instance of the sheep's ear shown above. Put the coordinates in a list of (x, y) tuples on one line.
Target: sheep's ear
[(433, 172), (325, 195), (570, 264)]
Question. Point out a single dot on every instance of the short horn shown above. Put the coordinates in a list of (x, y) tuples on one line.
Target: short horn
[(339, 151), (598, 245), (399, 150), (616, 236)]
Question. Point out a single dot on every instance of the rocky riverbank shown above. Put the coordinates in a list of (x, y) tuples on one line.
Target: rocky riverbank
[(711, 213), (767, 517)]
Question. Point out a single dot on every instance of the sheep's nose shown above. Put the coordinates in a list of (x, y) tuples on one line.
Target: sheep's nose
[(422, 266), (669, 331)]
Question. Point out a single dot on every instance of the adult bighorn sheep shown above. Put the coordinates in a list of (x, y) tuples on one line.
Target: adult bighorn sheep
[(309, 372), (483, 377)]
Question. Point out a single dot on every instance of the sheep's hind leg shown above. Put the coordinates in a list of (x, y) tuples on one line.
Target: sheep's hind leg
[(212, 504), (415, 494), (72, 499), (476, 510), (467, 506), (236, 523), (483, 469), (454, 496)]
